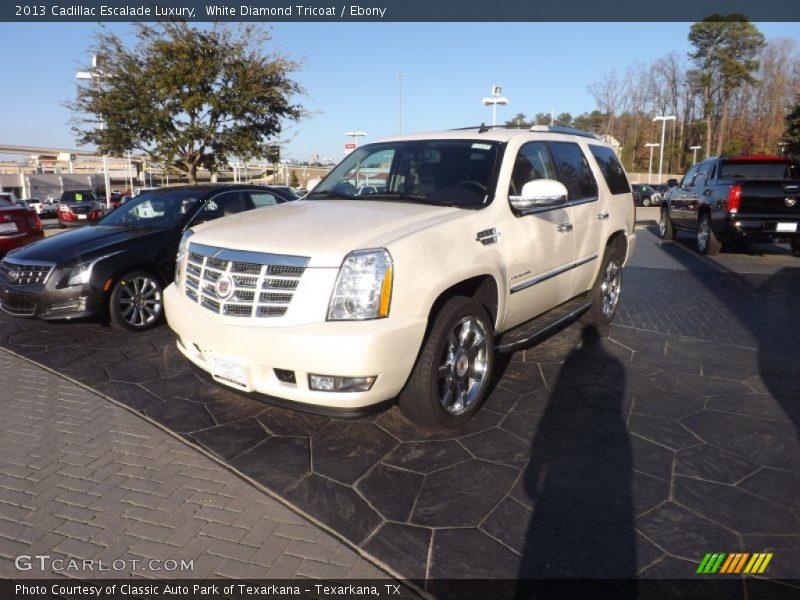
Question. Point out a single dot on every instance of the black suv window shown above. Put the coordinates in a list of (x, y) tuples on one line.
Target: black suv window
[(533, 162), (573, 170), (688, 179), (611, 169)]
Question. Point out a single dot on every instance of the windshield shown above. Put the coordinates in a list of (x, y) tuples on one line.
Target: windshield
[(161, 209), (444, 172), (6, 201), (78, 196)]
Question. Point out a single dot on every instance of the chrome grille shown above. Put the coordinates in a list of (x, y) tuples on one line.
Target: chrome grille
[(20, 272), (252, 279)]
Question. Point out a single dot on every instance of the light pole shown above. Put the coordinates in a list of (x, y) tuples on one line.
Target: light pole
[(650, 166), (494, 100), (663, 119), (694, 150), (95, 75), (355, 135), (400, 110)]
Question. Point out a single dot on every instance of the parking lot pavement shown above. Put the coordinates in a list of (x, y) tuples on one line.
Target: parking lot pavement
[(84, 478), (628, 455)]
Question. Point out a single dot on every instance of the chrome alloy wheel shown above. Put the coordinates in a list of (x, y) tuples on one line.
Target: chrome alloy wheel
[(703, 233), (462, 371), (139, 301), (610, 288)]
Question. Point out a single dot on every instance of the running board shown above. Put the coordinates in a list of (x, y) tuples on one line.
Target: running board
[(543, 325)]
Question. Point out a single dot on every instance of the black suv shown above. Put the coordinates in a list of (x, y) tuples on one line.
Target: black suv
[(117, 268)]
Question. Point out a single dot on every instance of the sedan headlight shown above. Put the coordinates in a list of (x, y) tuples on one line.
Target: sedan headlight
[(183, 249), (363, 288), (81, 273)]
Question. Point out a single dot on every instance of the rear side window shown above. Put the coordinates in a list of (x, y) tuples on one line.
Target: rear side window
[(611, 169), (573, 170)]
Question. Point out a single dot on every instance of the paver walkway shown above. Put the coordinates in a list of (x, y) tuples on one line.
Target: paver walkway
[(83, 478)]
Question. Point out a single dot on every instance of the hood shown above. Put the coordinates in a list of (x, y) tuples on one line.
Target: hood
[(323, 230), (86, 242)]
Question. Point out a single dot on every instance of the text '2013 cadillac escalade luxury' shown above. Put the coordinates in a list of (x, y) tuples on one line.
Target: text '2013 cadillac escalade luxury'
[(406, 269)]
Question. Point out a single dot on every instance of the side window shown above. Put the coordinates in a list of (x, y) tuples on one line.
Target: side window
[(533, 162), (688, 179), (703, 173), (260, 199), (223, 205), (611, 169), (573, 170)]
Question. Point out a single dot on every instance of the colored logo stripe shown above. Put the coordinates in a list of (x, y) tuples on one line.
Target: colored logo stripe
[(721, 562)]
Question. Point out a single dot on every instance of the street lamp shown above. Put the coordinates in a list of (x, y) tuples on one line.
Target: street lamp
[(650, 166), (355, 135), (694, 150), (663, 119), (494, 100), (96, 74)]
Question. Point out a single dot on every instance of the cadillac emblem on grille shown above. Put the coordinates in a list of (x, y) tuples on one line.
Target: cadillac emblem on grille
[(224, 287), (790, 201), (13, 275)]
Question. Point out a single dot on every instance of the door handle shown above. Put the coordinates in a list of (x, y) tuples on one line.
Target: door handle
[(602, 215), (564, 227)]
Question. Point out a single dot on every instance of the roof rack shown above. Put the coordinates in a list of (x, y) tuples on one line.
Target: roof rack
[(563, 129), (481, 127)]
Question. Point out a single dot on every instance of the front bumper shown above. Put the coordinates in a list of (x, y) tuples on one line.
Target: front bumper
[(48, 303), (384, 348)]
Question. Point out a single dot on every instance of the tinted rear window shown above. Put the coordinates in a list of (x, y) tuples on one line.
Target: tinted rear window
[(611, 169), (755, 170)]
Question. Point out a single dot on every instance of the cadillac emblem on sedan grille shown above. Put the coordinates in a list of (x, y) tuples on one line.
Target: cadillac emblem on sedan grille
[(224, 287), (790, 201), (13, 274)]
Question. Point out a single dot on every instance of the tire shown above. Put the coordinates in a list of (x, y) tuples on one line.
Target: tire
[(796, 247), (137, 302), (646, 202), (605, 292), (707, 241), (665, 229), (452, 373)]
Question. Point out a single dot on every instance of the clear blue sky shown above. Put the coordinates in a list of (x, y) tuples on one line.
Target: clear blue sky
[(350, 73)]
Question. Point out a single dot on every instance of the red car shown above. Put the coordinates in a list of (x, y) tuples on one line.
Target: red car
[(79, 207), (18, 225)]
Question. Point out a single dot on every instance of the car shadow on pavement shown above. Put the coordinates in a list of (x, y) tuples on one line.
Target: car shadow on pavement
[(578, 482)]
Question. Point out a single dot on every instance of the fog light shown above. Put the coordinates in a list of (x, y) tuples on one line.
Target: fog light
[(332, 383), (74, 305)]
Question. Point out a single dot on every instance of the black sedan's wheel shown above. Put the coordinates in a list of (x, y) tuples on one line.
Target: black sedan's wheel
[(665, 229), (452, 373), (707, 241), (136, 303)]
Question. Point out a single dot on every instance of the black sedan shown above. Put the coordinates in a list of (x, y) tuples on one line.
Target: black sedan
[(644, 195), (117, 268)]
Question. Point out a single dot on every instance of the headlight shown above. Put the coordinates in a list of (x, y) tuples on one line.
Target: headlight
[(183, 248), (81, 273), (363, 288)]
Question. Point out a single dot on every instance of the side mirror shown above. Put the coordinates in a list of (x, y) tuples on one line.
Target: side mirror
[(540, 193)]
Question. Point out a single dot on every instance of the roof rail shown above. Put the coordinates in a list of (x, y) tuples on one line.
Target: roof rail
[(482, 126), (563, 129)]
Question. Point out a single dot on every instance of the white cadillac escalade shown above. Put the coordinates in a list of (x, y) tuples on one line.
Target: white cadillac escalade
[(404, 271)]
